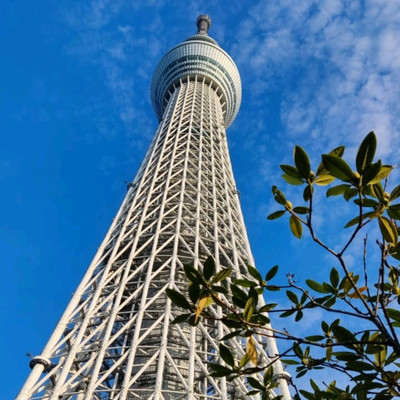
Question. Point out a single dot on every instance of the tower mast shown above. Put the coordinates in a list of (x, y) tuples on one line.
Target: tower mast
[(115, 340)]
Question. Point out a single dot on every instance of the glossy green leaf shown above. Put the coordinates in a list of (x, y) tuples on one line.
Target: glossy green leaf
[(394, 314), (394, 211), (194, 292), (271, 273), (248, 310), (255, 383), (244, 282), (334, 277), (324, 180), (254, 273), (219, 371), (209, 268), (349, 193), (299, 316), (292, 180), (295, 226), (178, 299), (343, 335), (366, 152), (301, 210), (338, 151), (276, 214), (378, 191), (382, 174), (356, 220), (278, 196), (302, 162), (366, 202), (290, 170), (181, 318), (388, 230), (338, 167), (371, 172), (337, 190), (292, 296), (193, 275), (316, 286), (221, 275), (226, 355), (395, 193), (307, 192)]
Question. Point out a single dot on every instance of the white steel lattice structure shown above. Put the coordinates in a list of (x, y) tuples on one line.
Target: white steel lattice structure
[(115, 339)]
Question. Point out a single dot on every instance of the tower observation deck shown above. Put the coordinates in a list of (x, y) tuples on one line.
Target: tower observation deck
[(115, 340)]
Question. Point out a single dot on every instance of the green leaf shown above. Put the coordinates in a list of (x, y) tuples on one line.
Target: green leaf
[(290, 170), (382, 174), (194, 292), (301, 210), (180, 318), (366, 202), (302, 162), (316, 286), (271, 273), (337, 190), (226, 355), (324, 180), (278, 195), (338, 167), (394, 314), (366, 152), (178, 299), (292, 180), (221, 275), (254, 273), (371, 172), (248, 310), (343, 335), (395, 193), (355, 220), (378, 192), (394, 211), (315, 338), (267, 307), (276, 214), (395, 252), (295, 226), (209, 268), (389, 231), (334, 277), (292, 297), (349, 193), (193, 275), (255, 383), (338, 151), (307, 192), (244, 282), (299, 316), (219, 371)]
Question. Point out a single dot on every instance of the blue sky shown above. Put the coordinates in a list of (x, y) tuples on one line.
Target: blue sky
[(77, 119)]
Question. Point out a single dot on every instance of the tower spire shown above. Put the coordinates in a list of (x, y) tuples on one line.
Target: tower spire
[(203, 23)]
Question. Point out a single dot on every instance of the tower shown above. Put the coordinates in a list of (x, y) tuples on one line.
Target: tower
[(115, 339)]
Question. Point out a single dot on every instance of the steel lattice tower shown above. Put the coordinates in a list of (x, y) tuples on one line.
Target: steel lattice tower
[(115, 339)]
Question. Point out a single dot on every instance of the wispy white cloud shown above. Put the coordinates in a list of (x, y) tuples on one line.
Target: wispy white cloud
[(336, 64)]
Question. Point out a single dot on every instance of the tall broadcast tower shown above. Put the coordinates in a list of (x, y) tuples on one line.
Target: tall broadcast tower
[(115, 340)]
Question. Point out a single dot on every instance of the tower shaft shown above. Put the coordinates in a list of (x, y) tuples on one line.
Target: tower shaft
[(115, 339)]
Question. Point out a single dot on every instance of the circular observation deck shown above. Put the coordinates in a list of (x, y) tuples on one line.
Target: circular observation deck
[(200, 56)]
